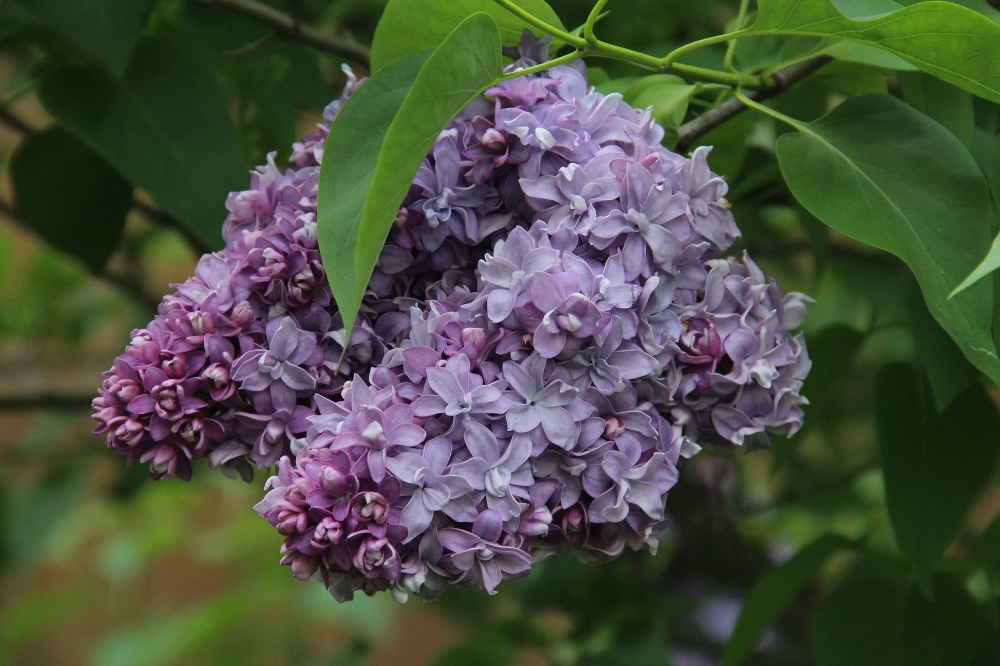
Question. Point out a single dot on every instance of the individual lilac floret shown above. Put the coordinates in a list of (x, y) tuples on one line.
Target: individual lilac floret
[(551, 326)]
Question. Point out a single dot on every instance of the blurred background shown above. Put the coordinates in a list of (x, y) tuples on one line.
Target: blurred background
[(101, 567)]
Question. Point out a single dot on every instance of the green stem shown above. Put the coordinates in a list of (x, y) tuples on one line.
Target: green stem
[(741, 17), (602, 49), (530, 19), (534, 69), (768, 111), (668, 61), (592, 18)]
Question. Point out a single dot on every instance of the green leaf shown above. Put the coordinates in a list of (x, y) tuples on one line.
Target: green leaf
[(351, 156), (107, 29), (942, 629), (944, 39), (465, 64), (859, 623), (941, 101), (408, 26), (950, 374), (86, 217), (986, 151), (164, 126), (934, 466), (863, 170), (873, 621), (775, 591), (669, 100)]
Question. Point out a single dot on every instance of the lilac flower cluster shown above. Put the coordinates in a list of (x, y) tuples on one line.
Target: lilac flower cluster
[(551, 325)]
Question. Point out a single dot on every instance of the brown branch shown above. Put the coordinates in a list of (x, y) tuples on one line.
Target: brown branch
[(45, 401), (784, 79), (155, 214), (291, 28)]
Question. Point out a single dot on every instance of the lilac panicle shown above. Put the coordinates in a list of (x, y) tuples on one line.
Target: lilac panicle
[(552, 324)]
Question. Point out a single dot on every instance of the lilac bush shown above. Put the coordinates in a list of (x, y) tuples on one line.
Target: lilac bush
[(552, 324)]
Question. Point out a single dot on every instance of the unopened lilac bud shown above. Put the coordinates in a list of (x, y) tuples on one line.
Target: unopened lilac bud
[(399, 221), (125, 390), (306, 236), (573, 519), (290, 522), (303, 566), (201, 322), (372, 507), (535, 523), (217, 374), (333, 482), (174, 366), (328, 532), (304, 279), (130, 432), (108, 414), (494, 141), (613, 427), (243, 314)]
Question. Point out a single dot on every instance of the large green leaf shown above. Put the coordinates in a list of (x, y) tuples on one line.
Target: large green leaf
[(934, 466), (408, 26), (942, 629), (859, 623), (949, 373), (874, 621), (947, 40), (942, 101), (986, 150), (864, 169), (164, 126), (108, 29), (86, 218), (462, 67), (351, 157), (775, 591)]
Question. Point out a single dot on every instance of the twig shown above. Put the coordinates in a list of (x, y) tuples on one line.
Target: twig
[(291, 28), (157, 215), (250, 48), (45, 401), (123, 283), (166, 220), (783, 79), (12, 121)]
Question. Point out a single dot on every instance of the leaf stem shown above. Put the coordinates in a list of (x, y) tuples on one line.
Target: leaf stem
[(592, 18), (531, 19), (741, 17), (534, 69), (592, 46), (768, 111), (669, 59)]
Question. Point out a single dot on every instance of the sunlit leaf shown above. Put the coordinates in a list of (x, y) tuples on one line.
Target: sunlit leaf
[(107, 29), (863, 170), (408, 26), (986, 150), (462, 67), (941, 101), (947, 40)]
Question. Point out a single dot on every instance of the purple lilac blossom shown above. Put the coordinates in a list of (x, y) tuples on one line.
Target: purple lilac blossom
[(552, 324)]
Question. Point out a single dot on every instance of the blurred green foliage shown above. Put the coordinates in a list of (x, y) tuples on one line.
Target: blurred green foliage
[(889, 495)]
